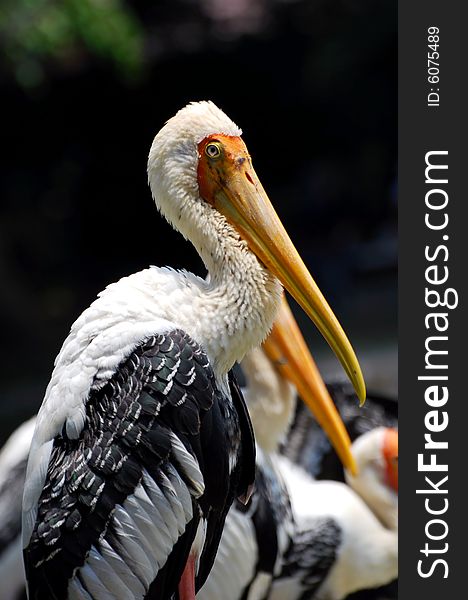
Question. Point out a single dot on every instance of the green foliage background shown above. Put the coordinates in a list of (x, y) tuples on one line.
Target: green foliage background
[(39, 33)]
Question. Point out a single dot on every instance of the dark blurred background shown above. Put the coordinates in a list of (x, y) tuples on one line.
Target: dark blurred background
[(86, 84)]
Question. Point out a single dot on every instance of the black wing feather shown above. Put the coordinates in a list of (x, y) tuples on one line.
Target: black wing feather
[(241, 479), (311, 555), (166, 385)]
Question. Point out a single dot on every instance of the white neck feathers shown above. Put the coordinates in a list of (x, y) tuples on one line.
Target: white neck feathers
[(270, 398)]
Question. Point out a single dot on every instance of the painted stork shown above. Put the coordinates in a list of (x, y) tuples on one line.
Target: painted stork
[(346, 536), (257, 536), (142, 443)]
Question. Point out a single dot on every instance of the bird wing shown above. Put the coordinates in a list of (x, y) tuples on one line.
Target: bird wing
[(122, 503), (310, 556)]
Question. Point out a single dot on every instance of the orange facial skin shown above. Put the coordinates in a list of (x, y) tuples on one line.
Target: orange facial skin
[(390, 453), (213, 172)]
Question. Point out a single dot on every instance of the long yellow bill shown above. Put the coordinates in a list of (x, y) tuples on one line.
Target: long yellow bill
[(228, 182), (287, 349)]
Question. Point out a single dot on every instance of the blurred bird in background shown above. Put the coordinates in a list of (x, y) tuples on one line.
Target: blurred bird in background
[(346, 535), (308, 448)]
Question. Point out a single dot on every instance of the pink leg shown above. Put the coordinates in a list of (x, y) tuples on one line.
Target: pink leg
[(187, 581)]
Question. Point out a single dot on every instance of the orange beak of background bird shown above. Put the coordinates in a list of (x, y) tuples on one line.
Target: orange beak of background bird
[(228, 182), (287, 349)]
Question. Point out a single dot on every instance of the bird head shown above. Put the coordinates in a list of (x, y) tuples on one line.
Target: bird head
[(201, 176), (376, 454)]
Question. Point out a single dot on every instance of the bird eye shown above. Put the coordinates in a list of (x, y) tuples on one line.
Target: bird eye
[(213, 150)]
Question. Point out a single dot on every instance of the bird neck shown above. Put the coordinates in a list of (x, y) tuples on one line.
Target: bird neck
[(382, 500), (270, 398), (239, 296)]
